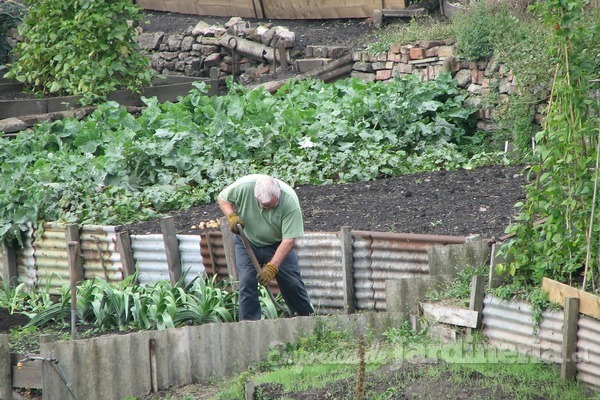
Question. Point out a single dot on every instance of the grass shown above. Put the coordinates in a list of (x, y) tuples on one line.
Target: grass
[(407, 363), (417, 29)]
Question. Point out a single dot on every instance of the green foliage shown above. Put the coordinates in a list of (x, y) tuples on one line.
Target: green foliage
[(419, 28), (75, 47), (458, 288), (404, 335), (126, 306), (114, 168), (557, 232)]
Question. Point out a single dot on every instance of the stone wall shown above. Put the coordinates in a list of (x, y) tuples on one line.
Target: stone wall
[(200, 52), (220, 51), (489, 83)]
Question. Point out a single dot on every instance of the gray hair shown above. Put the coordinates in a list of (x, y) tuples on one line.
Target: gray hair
[(266, 188)]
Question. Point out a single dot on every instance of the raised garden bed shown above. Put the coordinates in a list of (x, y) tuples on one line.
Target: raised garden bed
[(168, 89)]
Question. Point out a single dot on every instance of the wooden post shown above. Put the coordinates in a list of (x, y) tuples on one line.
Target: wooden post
[(348, 270), (228, 248), (9, 264), (5, 369), (73, 251), (476, 299), (124, 248), (568, 367), (167, 226), (282, 55), (72, 235), (153, 365)]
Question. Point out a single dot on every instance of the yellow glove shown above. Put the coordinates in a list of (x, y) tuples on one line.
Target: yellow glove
[(267, 273), (234, 220)]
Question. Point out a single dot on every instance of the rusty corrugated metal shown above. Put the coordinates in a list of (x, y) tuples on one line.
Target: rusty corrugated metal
[(218, 253), (510, 325), (380, 256), (151, 259), (320, 261), (101, 258), (51, 258), (588, 349)]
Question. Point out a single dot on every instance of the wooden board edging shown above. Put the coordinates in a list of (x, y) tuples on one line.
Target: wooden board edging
[(589, 304), (451, 315)]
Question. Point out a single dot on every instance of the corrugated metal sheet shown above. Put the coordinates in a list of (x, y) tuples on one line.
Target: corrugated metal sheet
[(46, 254), (191, 259), (320, 261), (510, 325), (151, 259), (388, 256), (26, 271), (51, 257), (588, 350), (101, 258)]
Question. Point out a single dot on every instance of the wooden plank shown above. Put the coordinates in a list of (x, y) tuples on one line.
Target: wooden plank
[(126, 253), (451, 315), (219, 8), (167, 226), (319, 9), (568, 367), (348, 270), (476, 297), (29, 376), (589, 304), (5, 368)]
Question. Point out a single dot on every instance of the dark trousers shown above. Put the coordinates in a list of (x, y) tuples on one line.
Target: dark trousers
[(288, 278)]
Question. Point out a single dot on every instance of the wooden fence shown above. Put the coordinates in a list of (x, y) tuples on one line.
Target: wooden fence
[(275, 9)]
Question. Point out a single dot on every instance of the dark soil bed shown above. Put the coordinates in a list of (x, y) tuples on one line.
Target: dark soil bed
[(458, 203)]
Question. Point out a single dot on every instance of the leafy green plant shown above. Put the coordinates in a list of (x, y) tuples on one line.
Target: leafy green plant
[(557, 233), (73, 47), (115, 168), (458, 288)]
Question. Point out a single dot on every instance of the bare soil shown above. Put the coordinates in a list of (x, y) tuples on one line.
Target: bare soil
[(457, 203)]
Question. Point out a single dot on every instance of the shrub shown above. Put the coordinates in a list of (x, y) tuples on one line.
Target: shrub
[(73, 47)]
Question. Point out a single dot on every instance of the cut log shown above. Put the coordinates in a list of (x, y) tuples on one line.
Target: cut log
[(250, 49)]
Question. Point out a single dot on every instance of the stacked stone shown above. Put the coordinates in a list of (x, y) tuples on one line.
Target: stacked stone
[(488, 82), (199, 53)]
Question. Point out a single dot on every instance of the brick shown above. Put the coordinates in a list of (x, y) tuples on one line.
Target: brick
[(362, 66), (383, 75), (403, 68), (416, 53), (378, 66), (394, 57), (445, 51), (395, 48), (366, 77), (309, 64), (389, 65), (431, 52)]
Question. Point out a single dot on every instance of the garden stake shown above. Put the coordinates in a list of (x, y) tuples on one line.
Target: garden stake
[(256, 264)]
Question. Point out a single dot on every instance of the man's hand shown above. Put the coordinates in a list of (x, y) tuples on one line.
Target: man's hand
[(267, 273), (234, 220)]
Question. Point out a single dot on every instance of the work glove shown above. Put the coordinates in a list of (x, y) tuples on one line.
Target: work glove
[(267, 273), (234, 220)]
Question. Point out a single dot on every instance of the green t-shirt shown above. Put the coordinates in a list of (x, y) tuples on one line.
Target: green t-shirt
[(265, 227)]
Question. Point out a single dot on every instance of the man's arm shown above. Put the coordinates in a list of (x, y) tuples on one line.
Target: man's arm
[(226, 207), (282, 251)]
